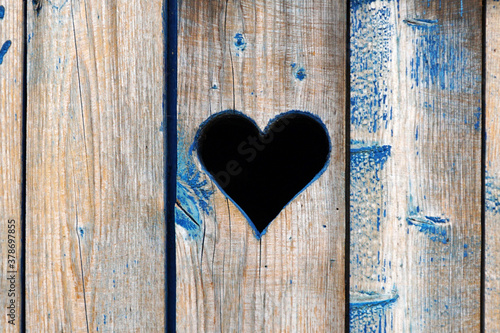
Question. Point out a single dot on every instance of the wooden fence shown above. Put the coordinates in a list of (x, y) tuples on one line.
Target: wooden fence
[(110, 222)]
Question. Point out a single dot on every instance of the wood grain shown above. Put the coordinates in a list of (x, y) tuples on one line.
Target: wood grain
[(252, 56), (416, 166), (492, 181), (95, 170), (11, 119)]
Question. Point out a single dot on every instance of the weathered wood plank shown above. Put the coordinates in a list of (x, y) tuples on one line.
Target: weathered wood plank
[(492, 181), (415, 167), (11, 118), (95, 170), (263, 58)]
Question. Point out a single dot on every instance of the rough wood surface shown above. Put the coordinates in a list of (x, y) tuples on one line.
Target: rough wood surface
[(95, 171), (11, 117), (492, 181), (263, 58), (415, 167)]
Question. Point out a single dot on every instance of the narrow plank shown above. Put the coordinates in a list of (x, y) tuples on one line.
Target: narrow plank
[(492, 181), (95, 171), (11, 118), (415, 167), (373, 296), (262, 58)]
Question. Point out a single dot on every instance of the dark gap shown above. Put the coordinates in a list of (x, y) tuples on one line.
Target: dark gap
[(170, 159), (22, 318), (347, 250), (483, 167), (263, 171)]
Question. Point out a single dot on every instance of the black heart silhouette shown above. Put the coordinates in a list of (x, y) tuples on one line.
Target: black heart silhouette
[(261, 172)]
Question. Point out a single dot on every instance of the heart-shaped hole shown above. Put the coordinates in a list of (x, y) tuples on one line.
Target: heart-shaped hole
[(261, 172)]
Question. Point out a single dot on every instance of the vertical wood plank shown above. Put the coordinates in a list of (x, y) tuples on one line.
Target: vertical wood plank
[(11, 118), (95, 170), (492, 181), (416, 172), (263, 58)]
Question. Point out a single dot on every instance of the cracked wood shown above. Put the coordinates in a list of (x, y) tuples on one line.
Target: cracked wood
[(415, 166), (262, 58), (95, 170)]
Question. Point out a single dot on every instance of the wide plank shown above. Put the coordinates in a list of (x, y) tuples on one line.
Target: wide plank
[(415, 166), (95, 168), (262, 58), (11, 135)]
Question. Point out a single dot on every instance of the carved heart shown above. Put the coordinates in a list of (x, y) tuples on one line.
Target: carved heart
[(261, 172)]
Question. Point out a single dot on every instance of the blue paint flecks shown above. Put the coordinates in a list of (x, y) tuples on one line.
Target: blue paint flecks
[(300, 74), (368, 212), (439, 61), (368, 310), (37, 6), (368, 209), (372, 30), (4, 49), (434, 227), (357, 4), (366, 163), (477, 124), (2, 12), (374, 156), (293, 65), (492, 194), (193, 194), (240, 42), (82, 232)]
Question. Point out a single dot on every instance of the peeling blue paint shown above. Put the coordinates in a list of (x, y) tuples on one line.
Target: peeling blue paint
[(440, 61), (372, 155), (372, 30), (300, 74), (57, 7), (434, 227), (368, 311), (193, 194), (240, 42), (477, 124), (366, 163), (368, 209), (4, 49), (492, 194)]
